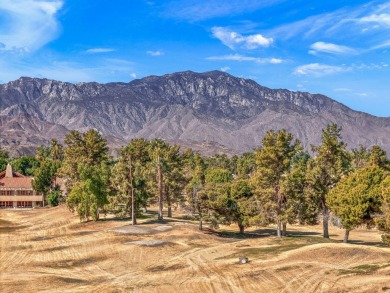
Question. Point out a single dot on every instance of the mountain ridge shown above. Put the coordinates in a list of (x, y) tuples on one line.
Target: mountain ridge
[(184, 107)]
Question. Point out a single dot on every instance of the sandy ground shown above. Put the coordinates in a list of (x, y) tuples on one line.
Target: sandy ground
[(48, 250)]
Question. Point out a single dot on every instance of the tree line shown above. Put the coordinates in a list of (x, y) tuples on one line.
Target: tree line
[(278, 183)]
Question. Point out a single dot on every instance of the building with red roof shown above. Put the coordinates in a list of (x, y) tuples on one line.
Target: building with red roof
[(16, 190)]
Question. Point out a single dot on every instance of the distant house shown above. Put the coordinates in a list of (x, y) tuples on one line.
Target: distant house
[(16, 190)]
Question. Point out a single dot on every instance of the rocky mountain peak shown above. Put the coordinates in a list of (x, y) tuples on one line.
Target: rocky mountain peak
[(185, 107)]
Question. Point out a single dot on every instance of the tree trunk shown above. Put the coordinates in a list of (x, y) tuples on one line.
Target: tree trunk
[(284, 229), (278, 229), (242, 228), (200, 220), (133, 219), (346, 235), (160, 191), (169, 206), (325, 221)]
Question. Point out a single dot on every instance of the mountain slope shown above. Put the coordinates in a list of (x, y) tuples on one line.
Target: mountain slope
[(193, 109)]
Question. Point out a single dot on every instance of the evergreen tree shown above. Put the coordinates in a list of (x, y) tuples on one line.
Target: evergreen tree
[(195, 168), (165, 166), (332, 161), (45, 176), (25, 165), (4, 158), (359, 157), (129, 178), (230, 201), (89, 195), (383, 220), (298, 207), (246, 165), (273, 162), (379, 158), (86, 168), (357, 198)]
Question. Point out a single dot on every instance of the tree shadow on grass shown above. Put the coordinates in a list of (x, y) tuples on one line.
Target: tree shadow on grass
[(235, 234), (368, 243)]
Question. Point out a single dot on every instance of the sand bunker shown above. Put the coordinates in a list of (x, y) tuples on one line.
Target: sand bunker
[(149, 242), (140, 230)]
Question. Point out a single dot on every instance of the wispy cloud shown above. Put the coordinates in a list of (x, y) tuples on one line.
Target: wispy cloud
[(155, 53), (383, 18), (332, 23), (99, 50), (133, 75), (330, 48), (233, 39), (198, 10), (225, 69), (316, 69), (240, 58), (30, 24)]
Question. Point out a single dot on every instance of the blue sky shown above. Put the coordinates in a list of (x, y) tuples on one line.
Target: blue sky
[(337, 48)]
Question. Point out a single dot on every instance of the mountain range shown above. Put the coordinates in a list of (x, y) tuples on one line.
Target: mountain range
[(212, 112)]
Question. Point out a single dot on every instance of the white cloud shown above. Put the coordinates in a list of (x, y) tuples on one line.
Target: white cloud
[(316, 69), (330, 48), (30, 24), (383, 18), (99, 50), (133, 75), (225, 69), (155, 53), (240, 58), (233, 39)]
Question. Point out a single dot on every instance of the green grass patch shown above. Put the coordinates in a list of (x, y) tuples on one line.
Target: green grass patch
[(366, 269), (288, 268)]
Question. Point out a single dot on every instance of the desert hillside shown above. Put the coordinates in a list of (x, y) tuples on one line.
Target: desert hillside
[(49, 250)]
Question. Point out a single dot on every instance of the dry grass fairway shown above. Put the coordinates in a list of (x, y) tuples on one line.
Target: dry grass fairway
[(48, 250)]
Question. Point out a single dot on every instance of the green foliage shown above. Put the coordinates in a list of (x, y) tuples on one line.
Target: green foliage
[(357, 197), (299, 206), (360, 157), (218, 175), (383, 220), (378, 158), (49, 161), (332, 161), (82, 148), (135, 156), (90, 193), (25, 165), (194, 168), (220, 161), (4, 158), (43, 177), (246, 165), (86, 168), (53, 198), (273, 162)]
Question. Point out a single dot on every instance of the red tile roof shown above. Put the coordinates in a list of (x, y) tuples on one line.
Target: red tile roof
[(16, 182)]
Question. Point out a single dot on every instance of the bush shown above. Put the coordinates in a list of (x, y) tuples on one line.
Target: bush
[(54, 197), (386, 239)]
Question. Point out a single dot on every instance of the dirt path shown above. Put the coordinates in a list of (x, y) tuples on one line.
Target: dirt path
[(48, 250)]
